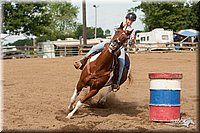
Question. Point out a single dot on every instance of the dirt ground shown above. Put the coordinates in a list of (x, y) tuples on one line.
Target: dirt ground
[(36, 93)]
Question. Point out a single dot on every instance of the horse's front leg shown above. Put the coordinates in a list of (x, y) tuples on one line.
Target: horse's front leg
[(90, 94), (77, 91), (78, 105), (103, 99), (73, 99)]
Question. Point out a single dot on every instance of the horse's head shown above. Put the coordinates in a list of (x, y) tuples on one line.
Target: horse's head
[(119, 38)]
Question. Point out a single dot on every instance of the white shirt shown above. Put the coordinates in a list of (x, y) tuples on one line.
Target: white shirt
[(126, 27)]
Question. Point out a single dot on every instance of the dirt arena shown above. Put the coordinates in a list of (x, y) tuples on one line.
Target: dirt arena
[(36, 93)]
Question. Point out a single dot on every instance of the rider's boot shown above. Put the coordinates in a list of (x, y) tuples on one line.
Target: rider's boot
[(79, 64), (115, 84)]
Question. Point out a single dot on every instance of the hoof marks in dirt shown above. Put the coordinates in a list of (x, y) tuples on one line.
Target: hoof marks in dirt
[(70, 127), (141, 129), (97, 105), (61, 116)]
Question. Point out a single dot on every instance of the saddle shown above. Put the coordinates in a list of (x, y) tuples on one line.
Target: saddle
[(115, 67), (115, 63)]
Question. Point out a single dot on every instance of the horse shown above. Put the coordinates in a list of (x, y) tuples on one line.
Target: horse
[(96, 73)]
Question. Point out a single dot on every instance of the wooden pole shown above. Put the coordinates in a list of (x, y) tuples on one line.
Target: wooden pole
[(84, 22), (80, 46)]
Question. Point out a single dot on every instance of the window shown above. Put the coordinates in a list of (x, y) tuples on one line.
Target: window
[(142, 38), (147, 38), (165, 37)]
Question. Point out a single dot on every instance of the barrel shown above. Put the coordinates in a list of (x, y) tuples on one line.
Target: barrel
[(165, 90)]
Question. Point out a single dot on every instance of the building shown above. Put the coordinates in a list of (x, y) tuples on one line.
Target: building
[(158, 35), (11, 52), (46, 49), (67, 47), (7, 48)]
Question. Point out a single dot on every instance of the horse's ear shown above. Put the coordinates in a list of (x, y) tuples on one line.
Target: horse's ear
[(121, 26)]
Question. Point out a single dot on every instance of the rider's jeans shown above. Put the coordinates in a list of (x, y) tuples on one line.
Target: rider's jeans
[(96, 48), (121, 59)]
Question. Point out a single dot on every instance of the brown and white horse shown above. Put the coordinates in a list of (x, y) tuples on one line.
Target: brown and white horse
[(97, 73)]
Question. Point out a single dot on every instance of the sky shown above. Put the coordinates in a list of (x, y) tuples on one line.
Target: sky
[(109, 14)]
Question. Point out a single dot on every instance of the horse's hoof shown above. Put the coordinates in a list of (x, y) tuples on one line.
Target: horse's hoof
[(102, 102), (70, 108), (69, 116)]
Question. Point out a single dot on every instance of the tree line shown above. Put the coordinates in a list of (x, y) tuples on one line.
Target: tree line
[(46, 21), (52, 21), (175, 15)]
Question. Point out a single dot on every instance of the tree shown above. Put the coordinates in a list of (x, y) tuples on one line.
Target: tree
[(90, 32), (26, 18), (107, 32), (196, 10), (100, 32), (27, 42), (168, 15), (79, 31), (44, 20), (64, 18)]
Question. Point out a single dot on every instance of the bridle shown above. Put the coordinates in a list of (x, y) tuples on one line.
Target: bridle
[(115, 44)]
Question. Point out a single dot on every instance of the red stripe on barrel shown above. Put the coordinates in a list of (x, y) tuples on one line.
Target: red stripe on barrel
[(165, 75), (164, 113)]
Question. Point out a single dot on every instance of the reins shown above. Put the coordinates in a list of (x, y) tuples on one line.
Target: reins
[(117, 41), (95, 75)]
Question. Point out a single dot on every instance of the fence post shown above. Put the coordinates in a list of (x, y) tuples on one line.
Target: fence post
[(65, 51), (80, 46)]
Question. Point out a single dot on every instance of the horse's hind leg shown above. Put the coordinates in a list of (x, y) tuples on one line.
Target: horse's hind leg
[(103, 99), (90, 94), (77, 90)]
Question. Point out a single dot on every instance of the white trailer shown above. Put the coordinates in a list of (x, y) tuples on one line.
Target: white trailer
[(158, 35)]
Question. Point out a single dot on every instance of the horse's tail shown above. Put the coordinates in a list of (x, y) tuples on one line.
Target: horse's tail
[(130, 77)]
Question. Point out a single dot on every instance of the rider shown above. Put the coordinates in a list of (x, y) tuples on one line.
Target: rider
[(130, 18)]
